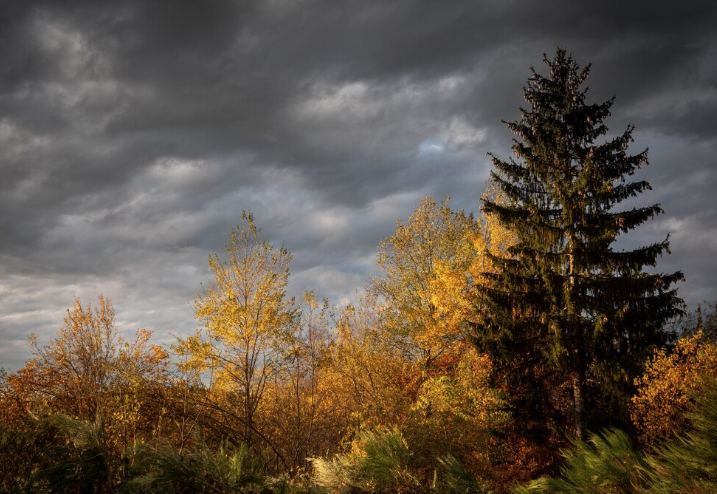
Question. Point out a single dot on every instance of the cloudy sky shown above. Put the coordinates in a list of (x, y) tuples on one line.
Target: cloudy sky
[(133, 134)]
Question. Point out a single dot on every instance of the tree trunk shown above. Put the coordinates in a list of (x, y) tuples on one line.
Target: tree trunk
[(579, 394), (578, 351)]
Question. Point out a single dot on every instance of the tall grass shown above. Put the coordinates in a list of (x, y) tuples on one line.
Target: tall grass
[(198, 470), (379, 462)]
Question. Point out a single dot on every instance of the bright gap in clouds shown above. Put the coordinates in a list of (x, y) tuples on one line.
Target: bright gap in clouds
[(431, 147)]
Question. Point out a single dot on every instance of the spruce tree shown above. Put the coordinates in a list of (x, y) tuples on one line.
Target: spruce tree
[(564, 299)]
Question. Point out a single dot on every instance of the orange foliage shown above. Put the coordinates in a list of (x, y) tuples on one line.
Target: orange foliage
[(372, 375), (667, 387), (88, 372)]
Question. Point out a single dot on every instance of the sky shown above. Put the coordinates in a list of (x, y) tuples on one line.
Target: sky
[(133, 134)]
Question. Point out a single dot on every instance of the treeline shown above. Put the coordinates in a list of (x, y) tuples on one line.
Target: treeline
[(272, 378), (386, 395), (486, 347)]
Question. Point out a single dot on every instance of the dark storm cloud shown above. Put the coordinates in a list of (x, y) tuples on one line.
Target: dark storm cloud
[(133, 133)]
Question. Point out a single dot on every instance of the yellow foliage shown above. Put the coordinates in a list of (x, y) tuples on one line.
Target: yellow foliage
[(371, 375), (457, 411), (430, 267), (665, 391), (249, 323), (464, 395), (425, 264), (496, 237)]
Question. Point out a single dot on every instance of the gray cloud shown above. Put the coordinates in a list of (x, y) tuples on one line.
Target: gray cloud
[(133, 134)]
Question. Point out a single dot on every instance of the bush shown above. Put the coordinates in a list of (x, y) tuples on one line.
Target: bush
[(379, 462), (604, 464), (665, 392), (382, 462), (689, 463), (199, 470)]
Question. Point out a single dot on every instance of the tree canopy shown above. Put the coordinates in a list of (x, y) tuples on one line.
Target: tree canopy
[(249, 322)]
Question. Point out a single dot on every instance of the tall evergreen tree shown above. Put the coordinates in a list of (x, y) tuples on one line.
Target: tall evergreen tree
[(563, 299)]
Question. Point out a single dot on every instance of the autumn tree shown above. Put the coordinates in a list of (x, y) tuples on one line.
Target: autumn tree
[(299, 412), (75, 370), (372, 377), (430, 266), (249, 324), (82, 369), (460, 413), (425, 277), (666, 390), (89, 372), (562, 298)]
